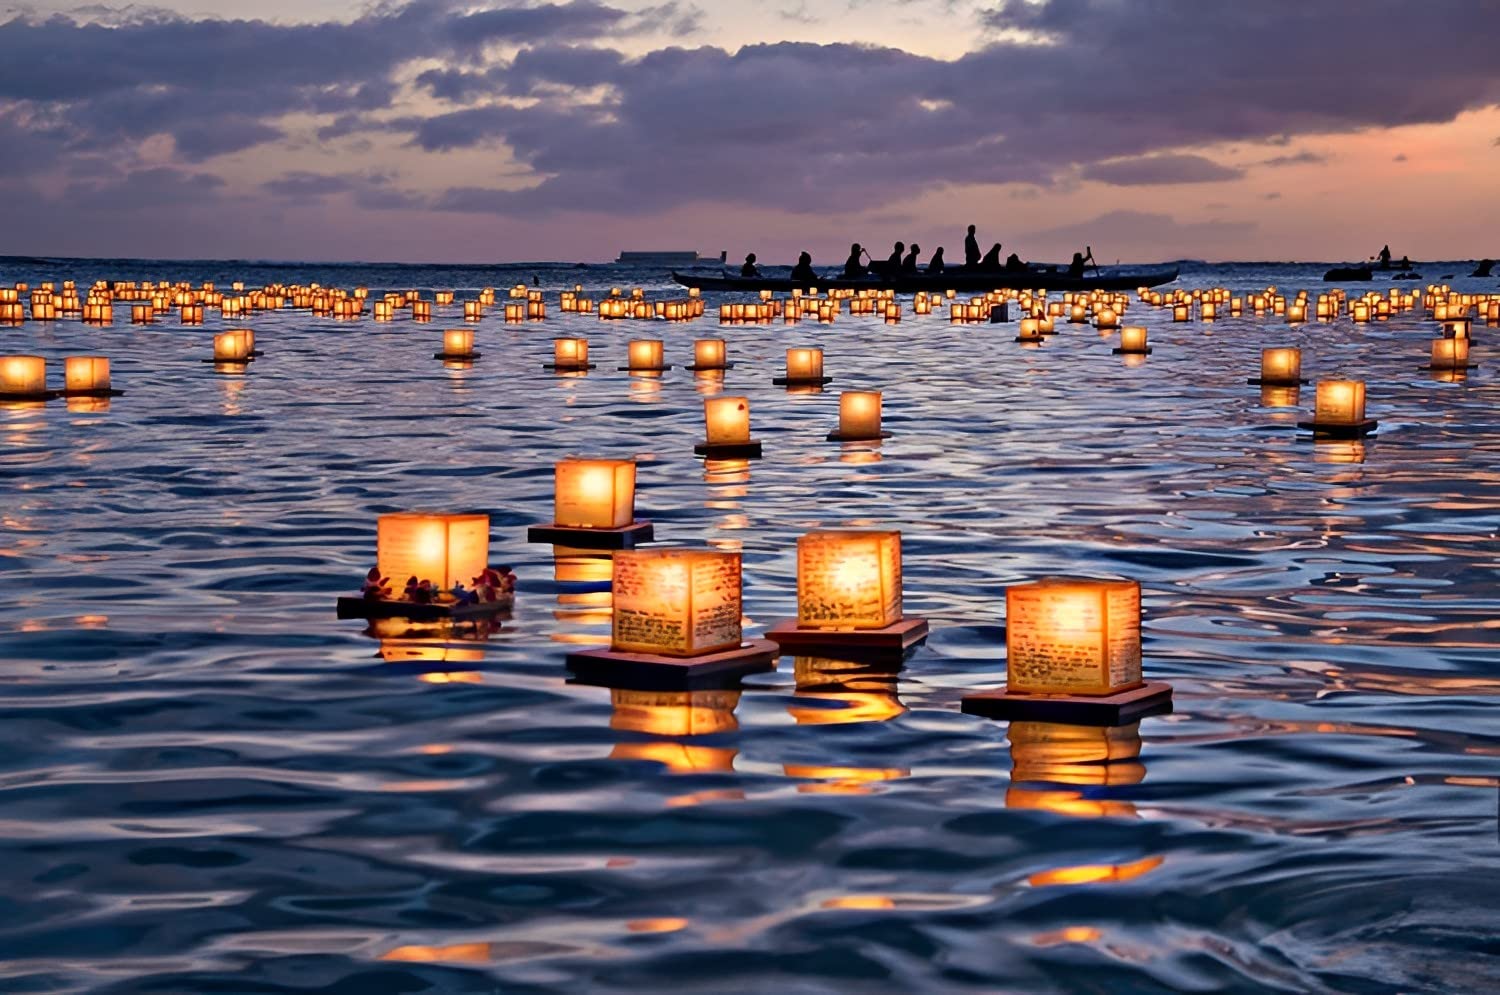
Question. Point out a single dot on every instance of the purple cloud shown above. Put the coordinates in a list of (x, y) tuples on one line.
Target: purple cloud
[(1155, 170)]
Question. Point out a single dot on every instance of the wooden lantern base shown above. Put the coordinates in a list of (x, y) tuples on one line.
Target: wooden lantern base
[(644, 369), (1260, 382), (1033, 339), (625, 537), (29, 395), (375, 608), (728, 450), (837, 436), (461, 357), (650, 672), (1340, 431), (569, 367), (709, 369), (230, 362), (882, 645), (101, 392), (1450, 369), (1132, 352), (1152, 698), (801, 381)]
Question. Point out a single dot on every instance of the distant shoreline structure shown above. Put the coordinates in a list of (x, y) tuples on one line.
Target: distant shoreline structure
[(654, 258)]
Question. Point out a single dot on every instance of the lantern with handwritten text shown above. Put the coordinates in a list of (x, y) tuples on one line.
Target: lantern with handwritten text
[(1074, 637), (676, 602)]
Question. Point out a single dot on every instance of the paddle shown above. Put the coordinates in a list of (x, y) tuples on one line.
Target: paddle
[(1090, 250)]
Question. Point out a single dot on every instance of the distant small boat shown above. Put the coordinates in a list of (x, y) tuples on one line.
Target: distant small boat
[(958, 279), (664, 259)]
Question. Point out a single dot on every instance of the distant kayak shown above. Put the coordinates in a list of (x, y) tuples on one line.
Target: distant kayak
[(1360, 273), (968, 281)]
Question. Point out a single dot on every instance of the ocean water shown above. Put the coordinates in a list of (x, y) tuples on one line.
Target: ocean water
[(210, 784)]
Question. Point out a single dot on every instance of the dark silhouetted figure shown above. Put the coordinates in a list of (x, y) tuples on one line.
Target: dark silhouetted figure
[(991, 258), (1484, 267), (802, 273), (893, 261), (1385, 257), (909, 264), (936, 265), (748, 270), (971, 250), (1405, 263), (853, 268), (536, 281), (1014, 263), (1075, 268)]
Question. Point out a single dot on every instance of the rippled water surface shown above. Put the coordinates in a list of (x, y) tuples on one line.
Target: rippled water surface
[(211, 784)]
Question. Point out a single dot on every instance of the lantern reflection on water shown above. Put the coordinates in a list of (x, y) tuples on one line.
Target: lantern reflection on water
[(678, 715)]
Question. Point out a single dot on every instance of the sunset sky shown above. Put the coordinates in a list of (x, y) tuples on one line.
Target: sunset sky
[(491, 131)]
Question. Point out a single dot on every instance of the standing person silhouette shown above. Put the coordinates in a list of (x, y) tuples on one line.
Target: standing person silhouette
[(971, 250), (1385, 257)]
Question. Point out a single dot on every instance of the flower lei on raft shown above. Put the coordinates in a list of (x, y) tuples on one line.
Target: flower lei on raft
[(493, 586)]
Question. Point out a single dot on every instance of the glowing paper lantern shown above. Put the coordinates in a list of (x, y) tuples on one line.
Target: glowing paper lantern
[(441, 548), (676, 602), (646, 354), (1031, 330), (23, 375), (570, 354), (709, 354), (458, 343), (232, 346), (1281, 365), (1340, 403), (85, 374), (848, 580), (1107, 318), (859, 415), (1078, 637), (804, 364), (727, 420), (1450, 354), (1133, 339), (594, 494)]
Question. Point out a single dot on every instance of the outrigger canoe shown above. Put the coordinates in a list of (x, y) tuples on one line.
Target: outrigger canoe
[(967, 281)]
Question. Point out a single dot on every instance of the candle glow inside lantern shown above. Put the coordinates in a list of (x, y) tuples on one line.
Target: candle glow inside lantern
[(1133, 340), (646, 355), (803, 366), (1030, 330), (232, 346), (676, 602), (1073, 654), (1456, 328), (1107, 318), (727, 424), (859, 417), (594, 493), (1450, 354), (458, 343), (1339, 410), (709, 354), (1067, 636), (849, 597), (1281, 366), (570, 354), (86, 375), (444, 549), (23, 376)]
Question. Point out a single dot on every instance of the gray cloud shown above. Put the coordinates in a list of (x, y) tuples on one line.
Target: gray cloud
[(1302, 158), (1153, 170)]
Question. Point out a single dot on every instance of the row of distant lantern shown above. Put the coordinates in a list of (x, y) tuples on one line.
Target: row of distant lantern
[(1073, 645)]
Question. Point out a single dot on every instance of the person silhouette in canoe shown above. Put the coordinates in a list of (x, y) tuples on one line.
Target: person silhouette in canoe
[(971, 251), (1080, 261), (1014, 264), (802, 273), (1385, 257), (749, 271), (893, 261), (909, 264), (991, 258), (854, 268), (935, 265), (1484, 267)]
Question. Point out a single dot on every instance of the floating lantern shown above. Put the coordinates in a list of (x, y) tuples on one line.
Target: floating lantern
[(1133, 341), (709, 354), (570, 354), (192, 314), (1450, 354), (676, 602), (1209, 311), (1296, 313), (849, 597), (1030, 330), (1107, 318), (142, 314), (593, 506), (443, 298), (727, 424), (421, 310), (98, 314), (646, 356), (859, 417), (1456, 328), (1339, 411), (23, 378), (1281, 366), (384, 310), (87, 376), (458, 343), (445, 549), (233, 346), (804, 367), (1181, 312), (1073, 654)]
